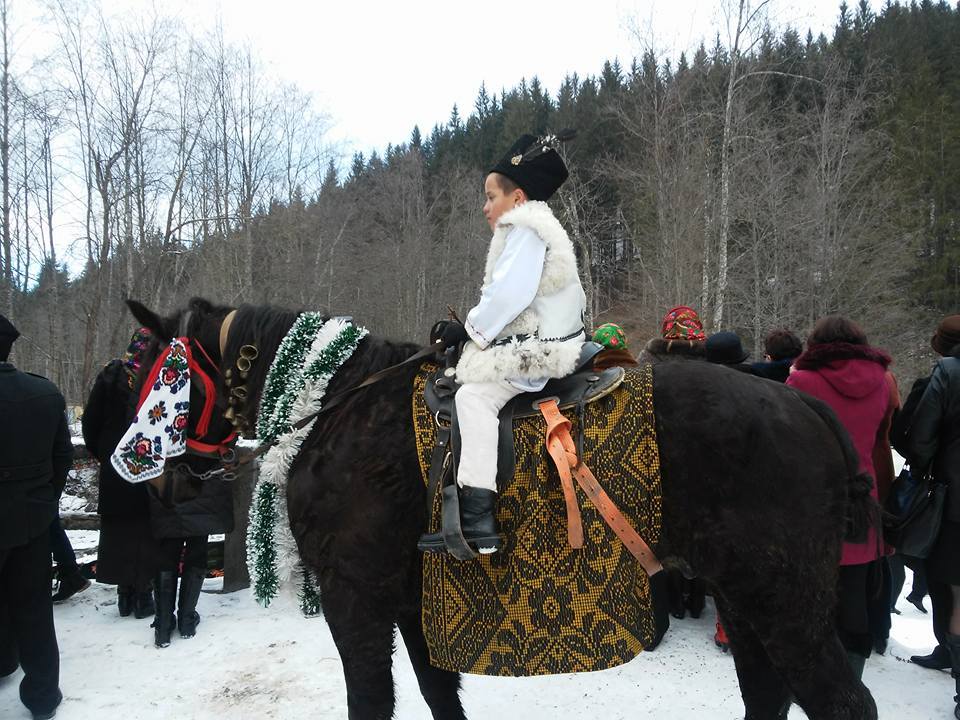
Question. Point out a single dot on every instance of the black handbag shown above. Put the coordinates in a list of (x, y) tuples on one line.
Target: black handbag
[(914, 511)]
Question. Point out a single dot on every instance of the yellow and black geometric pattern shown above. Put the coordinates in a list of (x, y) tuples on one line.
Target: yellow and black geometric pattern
[(538, 606)]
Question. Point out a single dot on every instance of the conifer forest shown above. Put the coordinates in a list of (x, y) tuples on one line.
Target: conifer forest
[(766, 181)]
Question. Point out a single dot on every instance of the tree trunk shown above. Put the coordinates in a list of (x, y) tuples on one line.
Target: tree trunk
[(725, 161)]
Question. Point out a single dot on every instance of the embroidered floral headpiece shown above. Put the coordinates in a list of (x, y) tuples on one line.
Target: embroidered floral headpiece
[(159, 430)]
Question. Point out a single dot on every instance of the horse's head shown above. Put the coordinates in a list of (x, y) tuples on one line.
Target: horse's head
[(210, 435)]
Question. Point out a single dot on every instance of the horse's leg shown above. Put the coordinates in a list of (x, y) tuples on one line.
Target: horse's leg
[(364, 639), (440, 688), (801, 646), (765, 695)]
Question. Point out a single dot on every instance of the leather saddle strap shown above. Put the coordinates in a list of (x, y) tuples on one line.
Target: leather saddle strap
[(558, 435), (617, 522), (562, 451)]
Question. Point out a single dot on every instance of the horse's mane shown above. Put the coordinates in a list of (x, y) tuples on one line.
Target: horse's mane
[(265, 327)]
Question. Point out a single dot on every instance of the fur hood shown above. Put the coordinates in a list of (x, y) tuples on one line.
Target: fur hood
[(854, 371)]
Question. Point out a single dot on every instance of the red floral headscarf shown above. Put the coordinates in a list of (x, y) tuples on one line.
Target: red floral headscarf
[(682, 323)]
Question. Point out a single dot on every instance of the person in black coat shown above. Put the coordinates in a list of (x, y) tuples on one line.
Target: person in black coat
[(181, 530), (780, 348), (35, 455), (725, 348), (127, 550), (933, 445)]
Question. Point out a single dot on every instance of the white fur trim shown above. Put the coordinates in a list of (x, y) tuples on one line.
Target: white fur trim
[(530, 358)]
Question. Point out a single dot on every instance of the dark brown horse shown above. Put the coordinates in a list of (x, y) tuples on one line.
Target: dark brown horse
[(759, 484)]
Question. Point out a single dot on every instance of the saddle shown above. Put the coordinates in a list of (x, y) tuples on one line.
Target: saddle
[(541, 604), (576, 392)]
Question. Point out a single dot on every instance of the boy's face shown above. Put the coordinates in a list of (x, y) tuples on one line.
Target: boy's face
[(498, 202)]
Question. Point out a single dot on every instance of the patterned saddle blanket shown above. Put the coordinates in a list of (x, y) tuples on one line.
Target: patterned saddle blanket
[(538, 606)]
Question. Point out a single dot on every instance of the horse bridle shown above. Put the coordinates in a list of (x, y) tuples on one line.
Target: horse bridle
[(223, 451)]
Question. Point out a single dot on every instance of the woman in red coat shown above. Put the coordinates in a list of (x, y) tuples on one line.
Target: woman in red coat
[(840, 368)]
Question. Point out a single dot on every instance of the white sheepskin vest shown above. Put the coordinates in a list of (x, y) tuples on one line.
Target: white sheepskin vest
[(556, 311)]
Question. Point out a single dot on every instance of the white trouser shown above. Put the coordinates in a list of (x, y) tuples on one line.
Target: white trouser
[(478, 405)]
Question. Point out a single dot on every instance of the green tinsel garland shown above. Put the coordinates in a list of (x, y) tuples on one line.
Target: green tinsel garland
[(285, 377), (309, 594), (287, 372), (261, 551)]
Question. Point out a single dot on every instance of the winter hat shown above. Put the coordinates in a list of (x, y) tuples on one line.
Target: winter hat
[(534, 164), (8, 333), (725, 348), (611, 336), (947, 336), (682, 323)]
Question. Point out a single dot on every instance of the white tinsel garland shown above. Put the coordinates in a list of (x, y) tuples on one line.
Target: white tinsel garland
[(296, 385)]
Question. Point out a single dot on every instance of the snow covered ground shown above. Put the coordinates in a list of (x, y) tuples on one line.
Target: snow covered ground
[(247, 662)]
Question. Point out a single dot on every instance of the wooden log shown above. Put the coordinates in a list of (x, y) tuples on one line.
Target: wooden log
[(80, 521)]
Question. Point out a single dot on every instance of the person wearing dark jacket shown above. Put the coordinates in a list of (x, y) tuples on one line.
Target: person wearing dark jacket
[(850, 376), (35, 455), (182, 531), (127, 551), (725, 348), (933, 445), (899, 431), (780, 347)]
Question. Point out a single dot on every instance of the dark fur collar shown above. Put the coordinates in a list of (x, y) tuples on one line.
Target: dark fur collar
[(820, 355), (665, 349)]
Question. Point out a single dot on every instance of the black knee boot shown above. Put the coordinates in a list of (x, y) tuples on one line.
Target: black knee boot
[(190, 585), (478, 519), (478, 523), (165, 595), (125, 599), (953, 645), (143, 604)]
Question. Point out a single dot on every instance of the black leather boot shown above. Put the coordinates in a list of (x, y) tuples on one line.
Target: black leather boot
[(124, 600), (191, 582), (939, 659), (660, 605), (478, 523), (143, 605), (478, 519), (165, 595), (953, 647)]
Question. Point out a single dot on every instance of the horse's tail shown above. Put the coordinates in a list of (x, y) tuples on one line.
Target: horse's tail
[(862, 511)]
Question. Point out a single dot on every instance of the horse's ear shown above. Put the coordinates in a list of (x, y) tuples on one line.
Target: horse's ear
[(201, 305), (148, 319)]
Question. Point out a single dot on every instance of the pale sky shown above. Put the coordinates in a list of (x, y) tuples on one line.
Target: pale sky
[(379, 68), (376, 69)]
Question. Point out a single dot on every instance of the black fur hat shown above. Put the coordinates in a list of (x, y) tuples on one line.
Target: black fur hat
[(534, 164)]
